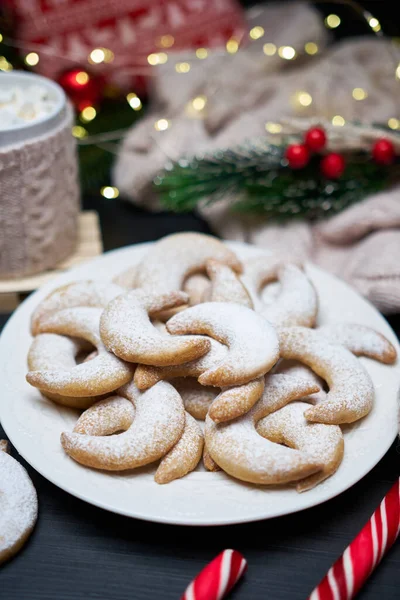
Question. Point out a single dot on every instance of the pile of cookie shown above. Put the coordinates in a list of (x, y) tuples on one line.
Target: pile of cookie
[(187, 335)]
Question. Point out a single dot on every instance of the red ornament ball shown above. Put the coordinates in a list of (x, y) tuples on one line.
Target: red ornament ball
[(82, 88), (383, 152), (333, 165), (297, 156), (315, 139)]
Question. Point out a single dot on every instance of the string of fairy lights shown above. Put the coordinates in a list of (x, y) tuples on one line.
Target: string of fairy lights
[(195, 106)]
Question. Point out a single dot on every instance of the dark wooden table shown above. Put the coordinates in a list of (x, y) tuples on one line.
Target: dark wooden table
[(78, 551)]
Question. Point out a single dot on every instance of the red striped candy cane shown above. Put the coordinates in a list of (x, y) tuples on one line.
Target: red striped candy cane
[(349, 573), (217, 578)]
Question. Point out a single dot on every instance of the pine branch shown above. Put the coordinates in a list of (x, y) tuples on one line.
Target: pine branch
[(256, 179)]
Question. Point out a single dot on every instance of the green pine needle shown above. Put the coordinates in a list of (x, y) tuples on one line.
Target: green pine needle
[(256, 179)]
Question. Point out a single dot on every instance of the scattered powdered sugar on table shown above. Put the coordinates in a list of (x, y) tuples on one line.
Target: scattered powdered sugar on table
[(18, 506)]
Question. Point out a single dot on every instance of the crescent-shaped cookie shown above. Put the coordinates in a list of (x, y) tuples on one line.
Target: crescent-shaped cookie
[(127, 278), (127, 331), (208, 462), (53, 352), (196, 286), (297, 369), (18, 506), (225, 285), (146, 376), (241, 452), (253, 346), (197, 398), (106, 417), (78, 293), (323, 442), (236, 401), (158, 424), (296, 302), (173, 258), (360, 340), (184, 456), (101, 375), (351, 391)]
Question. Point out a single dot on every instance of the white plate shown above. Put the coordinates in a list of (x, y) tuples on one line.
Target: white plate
[(34, 424)]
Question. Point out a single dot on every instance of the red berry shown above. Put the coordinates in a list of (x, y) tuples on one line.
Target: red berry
[(333, 165), (383, 152), (297, 155), (315, 139)]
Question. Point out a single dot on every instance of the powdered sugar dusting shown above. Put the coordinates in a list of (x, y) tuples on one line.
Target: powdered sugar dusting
[(158, 424), (106, 417), (226, 285), (146, 376), (127, 331), (351, 391), (323, 442), (197, 398), (53, 351), (297, 369), (360, 340), (252, 341), (173, 258), (297, 302), (184, 456), (18, 506), (240, 451), (196, 286), (79, 293), (101, 375)]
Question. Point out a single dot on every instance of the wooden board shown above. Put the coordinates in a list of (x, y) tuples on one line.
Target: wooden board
[(89, 245)]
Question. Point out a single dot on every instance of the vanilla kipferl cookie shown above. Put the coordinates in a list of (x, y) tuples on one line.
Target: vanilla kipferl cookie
[(208, 462), (53, 352), (360, 340), (79, 293), (4, 446), (253, 346), (157, 425), (101, 375), (351, 391), (184, 456), (236, 401), (296, 302), (106, 417), (173, 258), (127, 278), (146, 376), (196, 286), (197, 398), (18, 505), (225, 285), (297, 369), (241, 452), (127, 331), (323, 442)]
